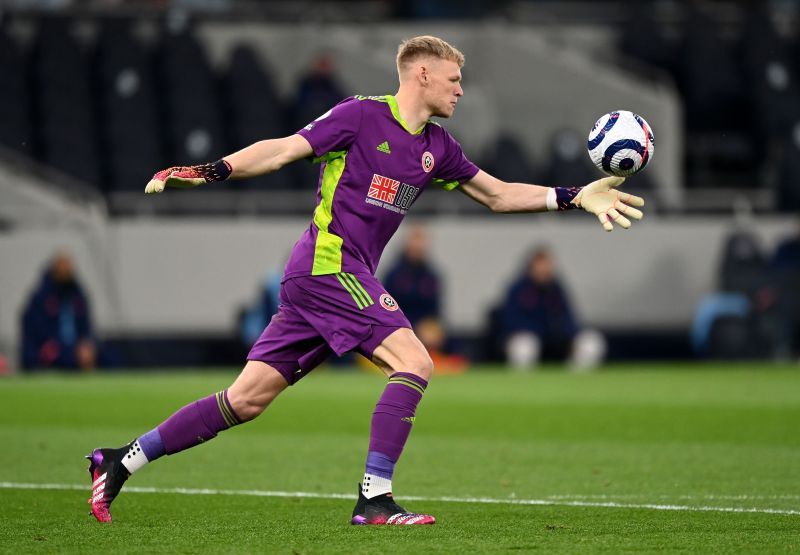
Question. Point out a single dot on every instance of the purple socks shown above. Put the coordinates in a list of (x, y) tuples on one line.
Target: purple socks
[(193, 424), (201, 421), (391, 422), (152, 445)]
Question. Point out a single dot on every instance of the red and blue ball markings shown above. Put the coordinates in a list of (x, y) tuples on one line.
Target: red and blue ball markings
[(626, 164)]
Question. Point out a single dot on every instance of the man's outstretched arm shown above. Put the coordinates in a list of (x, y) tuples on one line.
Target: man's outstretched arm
[(600, 198), (257, 159)]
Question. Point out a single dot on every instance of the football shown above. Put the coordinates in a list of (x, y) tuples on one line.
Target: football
[(621, 143)]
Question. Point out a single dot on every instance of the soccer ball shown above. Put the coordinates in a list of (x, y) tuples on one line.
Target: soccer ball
[(621, 143)]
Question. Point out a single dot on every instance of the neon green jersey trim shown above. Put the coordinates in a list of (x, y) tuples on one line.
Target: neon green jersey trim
[(356, 290), (328, 248), (346, 285), (359, 289), (392, 102), (444, 184), (328, 156)]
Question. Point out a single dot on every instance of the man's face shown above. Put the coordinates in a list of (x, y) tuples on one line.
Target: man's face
[(444, 86), (417, 245), (541, 269), (62, 270)]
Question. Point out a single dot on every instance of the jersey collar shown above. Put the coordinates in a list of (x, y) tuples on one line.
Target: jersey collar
[(392, 101)]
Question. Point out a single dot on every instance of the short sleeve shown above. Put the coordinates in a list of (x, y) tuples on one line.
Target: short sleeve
[(335, 130), (456, 168)]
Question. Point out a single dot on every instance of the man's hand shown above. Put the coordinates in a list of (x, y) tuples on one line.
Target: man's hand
[(186, 177), (602, 199)]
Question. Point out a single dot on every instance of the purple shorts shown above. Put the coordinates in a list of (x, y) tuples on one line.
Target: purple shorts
[(322, 315)]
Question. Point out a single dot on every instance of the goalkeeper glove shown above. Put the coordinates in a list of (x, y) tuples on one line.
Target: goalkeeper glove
[(602, 199), (185, 177)]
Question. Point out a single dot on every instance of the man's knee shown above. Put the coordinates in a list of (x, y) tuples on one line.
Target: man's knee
[(420, 364), (248, 408), (402, 351), (254, 390)]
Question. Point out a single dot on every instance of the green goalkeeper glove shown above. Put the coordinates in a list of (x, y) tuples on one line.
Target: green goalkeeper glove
[(186, 177), (602, 199)]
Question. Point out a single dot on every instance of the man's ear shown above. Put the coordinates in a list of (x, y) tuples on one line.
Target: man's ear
[(423, 76)]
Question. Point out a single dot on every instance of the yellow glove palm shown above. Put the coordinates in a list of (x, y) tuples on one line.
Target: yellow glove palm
[(602, 199)]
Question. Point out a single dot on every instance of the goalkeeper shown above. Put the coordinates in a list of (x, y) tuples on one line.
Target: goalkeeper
[(377, 155)]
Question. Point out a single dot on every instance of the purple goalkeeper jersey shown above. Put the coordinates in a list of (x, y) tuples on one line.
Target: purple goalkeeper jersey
[(373, 169)]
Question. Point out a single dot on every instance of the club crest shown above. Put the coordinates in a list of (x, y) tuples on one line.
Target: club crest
[(388, 302), (427, 162)]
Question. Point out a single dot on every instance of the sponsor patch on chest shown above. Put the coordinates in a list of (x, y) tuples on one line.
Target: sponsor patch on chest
[(391, 194)]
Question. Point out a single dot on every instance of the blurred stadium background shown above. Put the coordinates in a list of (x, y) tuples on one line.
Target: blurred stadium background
[(98, 95)]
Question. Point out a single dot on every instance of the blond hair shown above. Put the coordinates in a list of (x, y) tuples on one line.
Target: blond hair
[(412, 49)]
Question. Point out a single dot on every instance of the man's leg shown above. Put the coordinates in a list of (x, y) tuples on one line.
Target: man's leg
[(403, 358), (523, 350), (251, 393)]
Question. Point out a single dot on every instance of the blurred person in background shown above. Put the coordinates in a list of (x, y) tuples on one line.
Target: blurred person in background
[(783, 322), (56, 324), (417, 287), (413, 281), (317, 90), (255, 317), (538, 320)]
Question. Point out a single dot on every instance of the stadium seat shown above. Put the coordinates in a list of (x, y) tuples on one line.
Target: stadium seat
[(132, 143), (646, 39), (718, 115), (193, 125), (731, 338), (317, 91), (568, 163), (509, 160), (770, 71), (714, 99), (67, 133), (788, 186), (16, 130), (743, 263), (253, 111)]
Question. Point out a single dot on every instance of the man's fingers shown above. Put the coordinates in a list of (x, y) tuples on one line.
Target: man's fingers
[(628, 210), (633, 200), (609, 204), (603, 217), (180, 178), (619, 219), (612, 182), (154, 186)]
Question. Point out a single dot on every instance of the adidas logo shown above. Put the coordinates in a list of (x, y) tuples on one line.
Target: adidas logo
[(384, 147), (97, 488)]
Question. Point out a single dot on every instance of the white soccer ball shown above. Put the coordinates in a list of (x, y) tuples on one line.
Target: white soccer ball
[(621, 143)]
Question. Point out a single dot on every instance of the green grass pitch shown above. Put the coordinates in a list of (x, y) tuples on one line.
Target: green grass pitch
[(694, 458)]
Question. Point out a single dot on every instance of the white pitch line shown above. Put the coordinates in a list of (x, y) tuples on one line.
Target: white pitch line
[(707, 497), (474, 500)]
